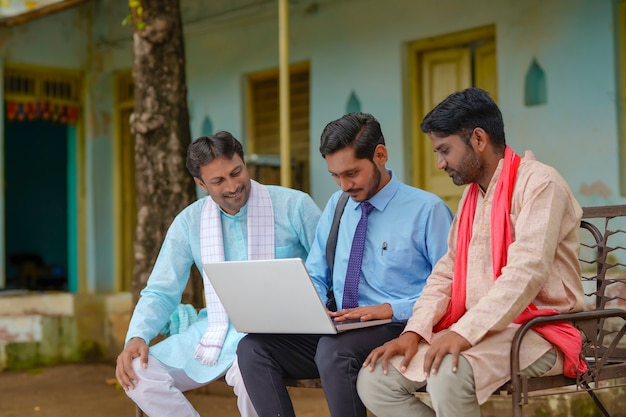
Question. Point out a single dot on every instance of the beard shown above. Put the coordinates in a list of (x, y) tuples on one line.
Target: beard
[(470, 170), (374, 184)]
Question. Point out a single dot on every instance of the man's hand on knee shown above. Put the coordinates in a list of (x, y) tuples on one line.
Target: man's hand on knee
[(406, 344), (448, 343), (136, 348)]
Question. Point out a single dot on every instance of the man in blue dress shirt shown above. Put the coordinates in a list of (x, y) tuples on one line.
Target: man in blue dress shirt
[(406, 235), (216, 227)]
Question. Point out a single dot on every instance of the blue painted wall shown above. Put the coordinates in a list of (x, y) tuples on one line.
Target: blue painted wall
[(351, 45)]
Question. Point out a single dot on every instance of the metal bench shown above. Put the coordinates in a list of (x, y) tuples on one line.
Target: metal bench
[(603, 259)]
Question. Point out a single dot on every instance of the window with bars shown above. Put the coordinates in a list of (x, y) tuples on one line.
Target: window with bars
[(264, 138), (29, 84), (41, 93)]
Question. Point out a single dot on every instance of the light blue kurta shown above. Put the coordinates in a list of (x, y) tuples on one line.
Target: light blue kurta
[(295, 219)]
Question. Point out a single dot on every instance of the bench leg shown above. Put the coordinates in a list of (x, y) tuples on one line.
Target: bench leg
[(597, 400)]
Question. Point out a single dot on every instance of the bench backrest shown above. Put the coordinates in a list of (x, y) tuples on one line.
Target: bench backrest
[(603, 325), (603, 259)]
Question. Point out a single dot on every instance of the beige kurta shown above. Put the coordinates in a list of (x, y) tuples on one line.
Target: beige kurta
[(542, 268)]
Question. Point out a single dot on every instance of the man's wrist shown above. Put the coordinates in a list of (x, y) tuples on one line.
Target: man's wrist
[(416, 338), (390, 310)]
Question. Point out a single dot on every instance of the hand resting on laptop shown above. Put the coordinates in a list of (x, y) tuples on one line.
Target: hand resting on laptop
[(365, 313)]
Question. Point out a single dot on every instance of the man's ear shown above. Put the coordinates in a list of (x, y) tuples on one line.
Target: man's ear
[(200, 184), (380, 154), (480, 139)]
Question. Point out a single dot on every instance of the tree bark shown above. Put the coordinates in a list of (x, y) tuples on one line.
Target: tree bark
[(160, 126)]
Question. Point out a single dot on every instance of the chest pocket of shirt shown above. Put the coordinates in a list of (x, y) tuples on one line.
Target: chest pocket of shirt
[(392, 264)]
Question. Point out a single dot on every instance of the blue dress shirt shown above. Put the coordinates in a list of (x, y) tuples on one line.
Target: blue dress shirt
[(407, 233)]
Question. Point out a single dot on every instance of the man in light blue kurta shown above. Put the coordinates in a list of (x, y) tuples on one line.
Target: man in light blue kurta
[(295, 219)]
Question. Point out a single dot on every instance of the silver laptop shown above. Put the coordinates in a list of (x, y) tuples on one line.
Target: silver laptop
[(274, 296)]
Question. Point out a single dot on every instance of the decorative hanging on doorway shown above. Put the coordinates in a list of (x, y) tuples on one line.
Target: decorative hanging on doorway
[(41, 110)]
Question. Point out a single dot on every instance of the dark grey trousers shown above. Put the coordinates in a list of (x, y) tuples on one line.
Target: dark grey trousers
[(266, 359)]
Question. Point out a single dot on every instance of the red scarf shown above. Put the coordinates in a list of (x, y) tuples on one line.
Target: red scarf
[(563, 335)]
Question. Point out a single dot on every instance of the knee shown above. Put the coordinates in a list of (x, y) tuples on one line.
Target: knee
[(447, 384), (368, 384), (253, 351), (383, 392), (244, 345), (139, 389), (244, 349), (331, 357), (135, 394)]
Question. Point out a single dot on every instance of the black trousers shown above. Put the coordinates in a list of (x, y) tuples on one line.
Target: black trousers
[(266, 359)]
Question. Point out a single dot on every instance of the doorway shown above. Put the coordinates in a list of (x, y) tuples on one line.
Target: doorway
[(42, 168), (36, 204), (438, 67)]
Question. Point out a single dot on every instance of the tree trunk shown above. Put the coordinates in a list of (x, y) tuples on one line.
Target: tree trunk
[(160, 125)]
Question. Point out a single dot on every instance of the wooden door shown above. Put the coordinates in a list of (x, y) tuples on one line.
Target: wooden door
[(442, 66), (444, 71)]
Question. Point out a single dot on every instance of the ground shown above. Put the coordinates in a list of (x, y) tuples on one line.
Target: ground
[(90, 390)]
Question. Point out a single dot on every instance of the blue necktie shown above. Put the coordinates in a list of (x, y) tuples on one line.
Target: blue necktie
[(351, 286)]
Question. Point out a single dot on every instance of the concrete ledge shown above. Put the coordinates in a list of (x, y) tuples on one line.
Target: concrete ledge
[(44, 304), (20, 328), (46, 329)]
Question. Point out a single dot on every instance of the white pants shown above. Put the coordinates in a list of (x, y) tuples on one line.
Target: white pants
[(159, 390)]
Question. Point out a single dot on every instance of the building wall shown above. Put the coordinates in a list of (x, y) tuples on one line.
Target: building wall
[(360, 46), (79, 39), (351, 45)]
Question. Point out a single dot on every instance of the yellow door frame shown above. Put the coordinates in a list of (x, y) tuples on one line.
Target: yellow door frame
[(416, 112)]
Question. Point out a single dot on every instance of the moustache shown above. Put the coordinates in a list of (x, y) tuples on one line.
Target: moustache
[(234, 193)]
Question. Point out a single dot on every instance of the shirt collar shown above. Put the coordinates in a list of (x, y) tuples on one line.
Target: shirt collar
[(241, 213)]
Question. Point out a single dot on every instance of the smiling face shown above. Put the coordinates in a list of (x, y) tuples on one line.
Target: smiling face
[(361, 178), (227, 182)]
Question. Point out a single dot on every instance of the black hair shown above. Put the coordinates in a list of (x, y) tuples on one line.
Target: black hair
[(461, 112), (206, 148), (358, 130)]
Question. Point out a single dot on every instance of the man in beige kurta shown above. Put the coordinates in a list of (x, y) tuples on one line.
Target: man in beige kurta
[(466, 362)]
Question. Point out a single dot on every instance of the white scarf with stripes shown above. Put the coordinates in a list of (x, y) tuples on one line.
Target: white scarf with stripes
[(260, 246)]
